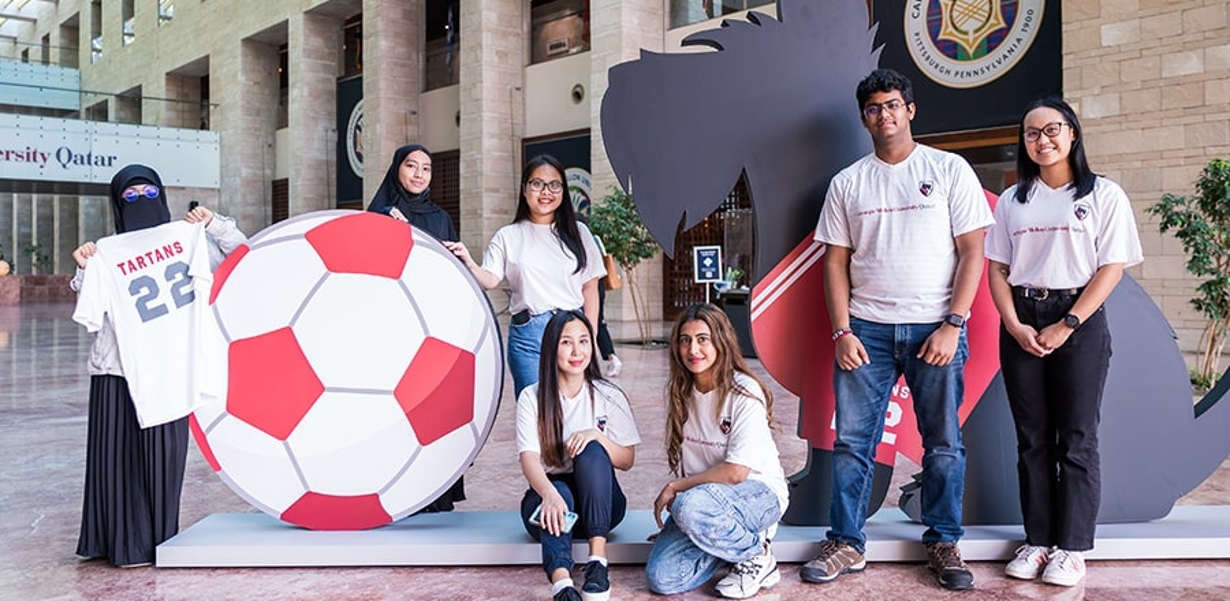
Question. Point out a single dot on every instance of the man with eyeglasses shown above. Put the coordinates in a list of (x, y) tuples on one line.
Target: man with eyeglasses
[(904, 230)]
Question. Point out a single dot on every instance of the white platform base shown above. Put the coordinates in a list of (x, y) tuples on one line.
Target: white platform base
[(497, 538)]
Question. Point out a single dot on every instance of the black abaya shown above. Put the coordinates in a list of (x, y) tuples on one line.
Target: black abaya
[(133, 478)]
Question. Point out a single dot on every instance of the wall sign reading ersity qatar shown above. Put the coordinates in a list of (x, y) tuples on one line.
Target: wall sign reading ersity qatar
[(969, 43), (64, 150)]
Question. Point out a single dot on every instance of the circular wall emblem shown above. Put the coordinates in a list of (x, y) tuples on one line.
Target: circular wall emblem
[(354, 139), (578, 189), (970, 43)]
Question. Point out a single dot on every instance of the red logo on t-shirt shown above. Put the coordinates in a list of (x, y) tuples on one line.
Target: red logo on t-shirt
[(926, 187), (725, 425)]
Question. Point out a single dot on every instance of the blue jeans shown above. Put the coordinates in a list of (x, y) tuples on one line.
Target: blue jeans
[(862, 400), (524, 343), (591, 491), (710, 525)]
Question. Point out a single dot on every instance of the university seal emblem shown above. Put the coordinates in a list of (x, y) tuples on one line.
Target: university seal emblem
[(970, 43)]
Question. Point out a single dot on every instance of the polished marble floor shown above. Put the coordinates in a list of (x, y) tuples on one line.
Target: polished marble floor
[(43, 390)]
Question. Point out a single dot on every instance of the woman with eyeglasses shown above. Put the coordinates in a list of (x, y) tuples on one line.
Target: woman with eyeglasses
[(574, 429), (549, 259), (134, 475), (1061, 239)]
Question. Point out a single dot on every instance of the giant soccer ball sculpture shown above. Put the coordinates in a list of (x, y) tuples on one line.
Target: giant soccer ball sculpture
[(364, 371)]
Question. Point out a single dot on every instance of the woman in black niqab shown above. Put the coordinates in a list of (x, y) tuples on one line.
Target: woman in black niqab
[(133, 476), (143, 212), (407, 188)]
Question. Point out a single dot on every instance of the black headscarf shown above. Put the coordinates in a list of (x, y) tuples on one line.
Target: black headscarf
[(144, 212), (418, 208)]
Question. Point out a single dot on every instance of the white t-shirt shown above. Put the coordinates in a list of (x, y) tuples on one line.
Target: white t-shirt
[(539, 268), (900, 222), (153, 285), (1054, 241), (737, 433), (609, 413)]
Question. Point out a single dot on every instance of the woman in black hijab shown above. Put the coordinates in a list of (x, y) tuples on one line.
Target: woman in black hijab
[(133, 476), (405, 194)]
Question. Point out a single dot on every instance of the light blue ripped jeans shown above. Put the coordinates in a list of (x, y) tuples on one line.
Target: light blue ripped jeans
[(710, 525)]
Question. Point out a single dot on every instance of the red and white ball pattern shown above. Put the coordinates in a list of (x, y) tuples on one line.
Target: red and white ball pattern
[(364, 371)]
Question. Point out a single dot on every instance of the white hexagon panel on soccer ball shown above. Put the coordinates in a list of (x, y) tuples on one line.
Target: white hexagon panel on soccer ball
[(352, 443), (433, 469), (244, 307), (457, 313), (446, 298), (257, 464), (365, 347)]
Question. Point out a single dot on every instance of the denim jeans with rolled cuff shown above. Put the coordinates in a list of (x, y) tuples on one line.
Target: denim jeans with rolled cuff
[(710, 525)]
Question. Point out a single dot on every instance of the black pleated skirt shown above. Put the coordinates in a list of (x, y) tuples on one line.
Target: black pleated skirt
[(133, 478)]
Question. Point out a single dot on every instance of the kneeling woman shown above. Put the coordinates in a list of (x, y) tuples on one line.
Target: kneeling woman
[(573, 429), (731, 492)]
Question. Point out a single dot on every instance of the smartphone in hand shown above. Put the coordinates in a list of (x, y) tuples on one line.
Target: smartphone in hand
[(570, 519)]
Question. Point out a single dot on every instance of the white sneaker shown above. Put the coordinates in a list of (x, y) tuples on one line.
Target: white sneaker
[(613, 367), (1029, 562), (746, 578), (1066, 568)]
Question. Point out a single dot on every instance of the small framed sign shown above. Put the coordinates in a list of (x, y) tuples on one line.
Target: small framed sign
[(707, 264)]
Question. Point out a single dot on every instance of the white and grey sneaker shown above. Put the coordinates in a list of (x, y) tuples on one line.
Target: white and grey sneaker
[(1029, 562), (613, 367), (1066, 568), (746, 578)]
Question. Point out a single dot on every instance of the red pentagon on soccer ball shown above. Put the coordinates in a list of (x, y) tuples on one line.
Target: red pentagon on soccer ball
[(333, 512), (272, 385), (364, 243), (437, 391)]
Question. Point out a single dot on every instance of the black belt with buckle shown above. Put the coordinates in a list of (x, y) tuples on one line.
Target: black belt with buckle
[(1045, 293), (521, 318)]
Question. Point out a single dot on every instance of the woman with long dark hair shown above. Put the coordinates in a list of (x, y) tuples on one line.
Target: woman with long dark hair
[(549, 259), (574, 429), (1061, 239)]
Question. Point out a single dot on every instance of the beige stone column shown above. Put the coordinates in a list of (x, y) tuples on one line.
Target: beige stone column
[(313, 55), (492, 115), (246, 114), (619, 30), (392, 82), (492, 74)]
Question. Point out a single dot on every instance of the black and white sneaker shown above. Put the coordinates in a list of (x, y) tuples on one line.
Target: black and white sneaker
[(567, 593), (597, 582)]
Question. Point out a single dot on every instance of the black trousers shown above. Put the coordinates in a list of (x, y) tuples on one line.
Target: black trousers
[(1056, 403)]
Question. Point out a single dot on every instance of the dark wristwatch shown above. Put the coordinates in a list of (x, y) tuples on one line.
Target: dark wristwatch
[(957, 321), (1071, 321)]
